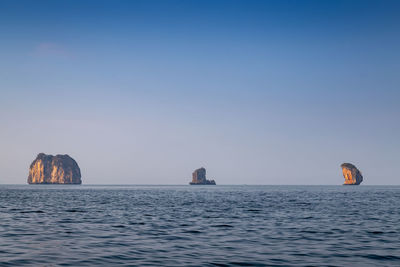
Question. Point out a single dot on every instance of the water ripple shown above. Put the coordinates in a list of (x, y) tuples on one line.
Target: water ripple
[(199, 226)]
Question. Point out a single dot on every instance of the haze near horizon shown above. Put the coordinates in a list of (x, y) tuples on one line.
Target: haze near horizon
[(257, 92)]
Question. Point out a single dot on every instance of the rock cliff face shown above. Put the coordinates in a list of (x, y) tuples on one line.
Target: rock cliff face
[(48, 169), (352, 176), (199, 178)]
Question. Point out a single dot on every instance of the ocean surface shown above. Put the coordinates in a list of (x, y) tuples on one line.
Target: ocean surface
[(48, 225)]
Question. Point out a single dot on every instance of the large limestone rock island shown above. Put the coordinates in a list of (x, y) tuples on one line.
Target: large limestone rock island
[(49, 169), (199, 178), (352, 176)]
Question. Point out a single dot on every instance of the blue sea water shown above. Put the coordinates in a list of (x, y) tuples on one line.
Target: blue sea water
[(49, 225)]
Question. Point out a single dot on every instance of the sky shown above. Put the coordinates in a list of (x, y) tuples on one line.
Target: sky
[(257, 92)]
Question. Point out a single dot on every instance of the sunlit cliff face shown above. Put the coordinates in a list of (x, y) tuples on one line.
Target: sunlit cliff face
[(348, 177), (48, 169), (352, 176), (37, 173)]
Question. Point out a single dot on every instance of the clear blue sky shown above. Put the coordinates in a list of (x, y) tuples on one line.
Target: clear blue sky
[(258, 92)]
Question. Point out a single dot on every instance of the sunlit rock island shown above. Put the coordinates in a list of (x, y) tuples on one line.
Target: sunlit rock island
[(49, 169), (199, 178), (352, 176)]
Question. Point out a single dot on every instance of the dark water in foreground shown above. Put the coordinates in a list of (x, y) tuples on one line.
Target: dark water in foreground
[(199, 225)]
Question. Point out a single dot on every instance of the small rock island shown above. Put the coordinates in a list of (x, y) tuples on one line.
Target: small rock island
[(49, 169), (199, 178), (352, 176)]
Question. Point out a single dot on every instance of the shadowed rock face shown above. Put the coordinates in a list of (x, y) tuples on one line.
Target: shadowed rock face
[(199, 178), (48, 169), (352, 176)]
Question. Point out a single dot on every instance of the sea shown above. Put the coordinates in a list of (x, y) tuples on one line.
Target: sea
[(128, 225)]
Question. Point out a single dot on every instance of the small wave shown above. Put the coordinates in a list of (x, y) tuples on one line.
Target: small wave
[(382, 257), (375, 232), (243, 263), (31, 211), (137, 223), (67, 221), (119, 226), (74, 210), (219, 264), (193, 232), (309, 231), (254, 210), (223, 226)]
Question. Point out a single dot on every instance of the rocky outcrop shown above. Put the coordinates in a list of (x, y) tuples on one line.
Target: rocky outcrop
[(199, 178), (48, 169), (352, 176)]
